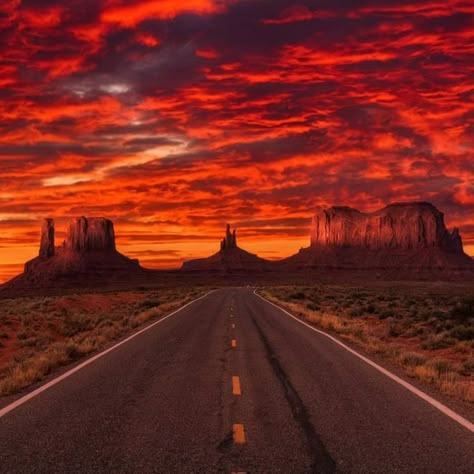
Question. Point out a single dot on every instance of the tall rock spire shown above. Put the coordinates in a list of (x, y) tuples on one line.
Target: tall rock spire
[(47, 239), (230, 239)]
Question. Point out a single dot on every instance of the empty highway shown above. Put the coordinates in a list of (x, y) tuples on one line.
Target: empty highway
[(231, 384)]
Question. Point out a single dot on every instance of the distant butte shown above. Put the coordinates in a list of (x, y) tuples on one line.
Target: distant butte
[(230, 258), (87, 255), (400, 241)]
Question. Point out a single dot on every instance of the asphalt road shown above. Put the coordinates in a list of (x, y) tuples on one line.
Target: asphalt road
[(168, 401)]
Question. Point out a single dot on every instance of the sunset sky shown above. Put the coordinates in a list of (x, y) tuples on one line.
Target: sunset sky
[(174, 117)]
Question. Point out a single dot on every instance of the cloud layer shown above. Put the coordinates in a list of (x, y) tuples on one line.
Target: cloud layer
[(173, 120)]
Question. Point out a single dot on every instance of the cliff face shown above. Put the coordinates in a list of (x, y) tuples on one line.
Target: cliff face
[(399, 242), (397, 226), (47, 239), (90, 234), (87, 255)]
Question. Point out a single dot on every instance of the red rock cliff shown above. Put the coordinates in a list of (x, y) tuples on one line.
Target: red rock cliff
[(47, 239), (90, 234), (397, 226)]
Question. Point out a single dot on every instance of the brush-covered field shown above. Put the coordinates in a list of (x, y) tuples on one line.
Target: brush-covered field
[(39, 334), (428, 329)]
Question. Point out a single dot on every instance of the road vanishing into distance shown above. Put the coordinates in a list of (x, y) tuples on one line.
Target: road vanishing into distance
[(231, 384)]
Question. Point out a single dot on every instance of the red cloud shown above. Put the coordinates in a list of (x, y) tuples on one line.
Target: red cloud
[(175, 126), (129, 15)]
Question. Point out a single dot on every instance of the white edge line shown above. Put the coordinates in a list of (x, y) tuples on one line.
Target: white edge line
[(67, 374), (439, 406)]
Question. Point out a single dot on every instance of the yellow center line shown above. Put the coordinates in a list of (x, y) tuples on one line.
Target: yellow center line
[(236, 385), (239, 434), (234, 343)]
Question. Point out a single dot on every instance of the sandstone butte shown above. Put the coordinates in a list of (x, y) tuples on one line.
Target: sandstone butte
[(399, 242), (230, 258), (397, 226), (87, 254)]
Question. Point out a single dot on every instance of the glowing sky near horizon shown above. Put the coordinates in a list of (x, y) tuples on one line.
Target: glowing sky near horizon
[(173, 118)]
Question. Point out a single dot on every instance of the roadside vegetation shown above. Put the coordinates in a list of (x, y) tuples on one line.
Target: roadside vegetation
[(39, 334), (426, 329)]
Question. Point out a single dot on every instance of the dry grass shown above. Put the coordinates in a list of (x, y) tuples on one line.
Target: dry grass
[(40, 334), (429, 331)]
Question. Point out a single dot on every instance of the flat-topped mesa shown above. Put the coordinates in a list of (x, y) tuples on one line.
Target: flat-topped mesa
[(47, 239), (397, 226), (230, 239), (89, 234)]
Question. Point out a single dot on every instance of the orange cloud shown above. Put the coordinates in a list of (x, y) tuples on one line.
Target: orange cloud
[(248, 113), (127, 15)]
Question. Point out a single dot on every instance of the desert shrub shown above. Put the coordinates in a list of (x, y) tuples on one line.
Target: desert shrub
[(371, 308), (299, 295), (393, 330), (148, 304), (424, 315), (434, 342), (313, 306), (356, 311), (3, 335), (412, 359), (437, 313), (462, 333), (441, 366), (359, 334), (22, 336), (76, 323), (386, 313), (468, 365), (463, 311)]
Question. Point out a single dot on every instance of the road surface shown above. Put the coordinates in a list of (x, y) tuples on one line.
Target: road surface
[(231, 384)]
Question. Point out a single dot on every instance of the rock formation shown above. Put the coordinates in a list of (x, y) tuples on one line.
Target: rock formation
[(400, 241), (47, 239), (397, 226), (230, 239), (229, 259), (86, 257), (90, 234)]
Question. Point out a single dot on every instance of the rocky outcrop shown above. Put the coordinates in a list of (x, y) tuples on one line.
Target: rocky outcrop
[(398, 242), (90, 235), (397, 226), (86, 257), (47, 239), (230, 259), (230, 239)]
